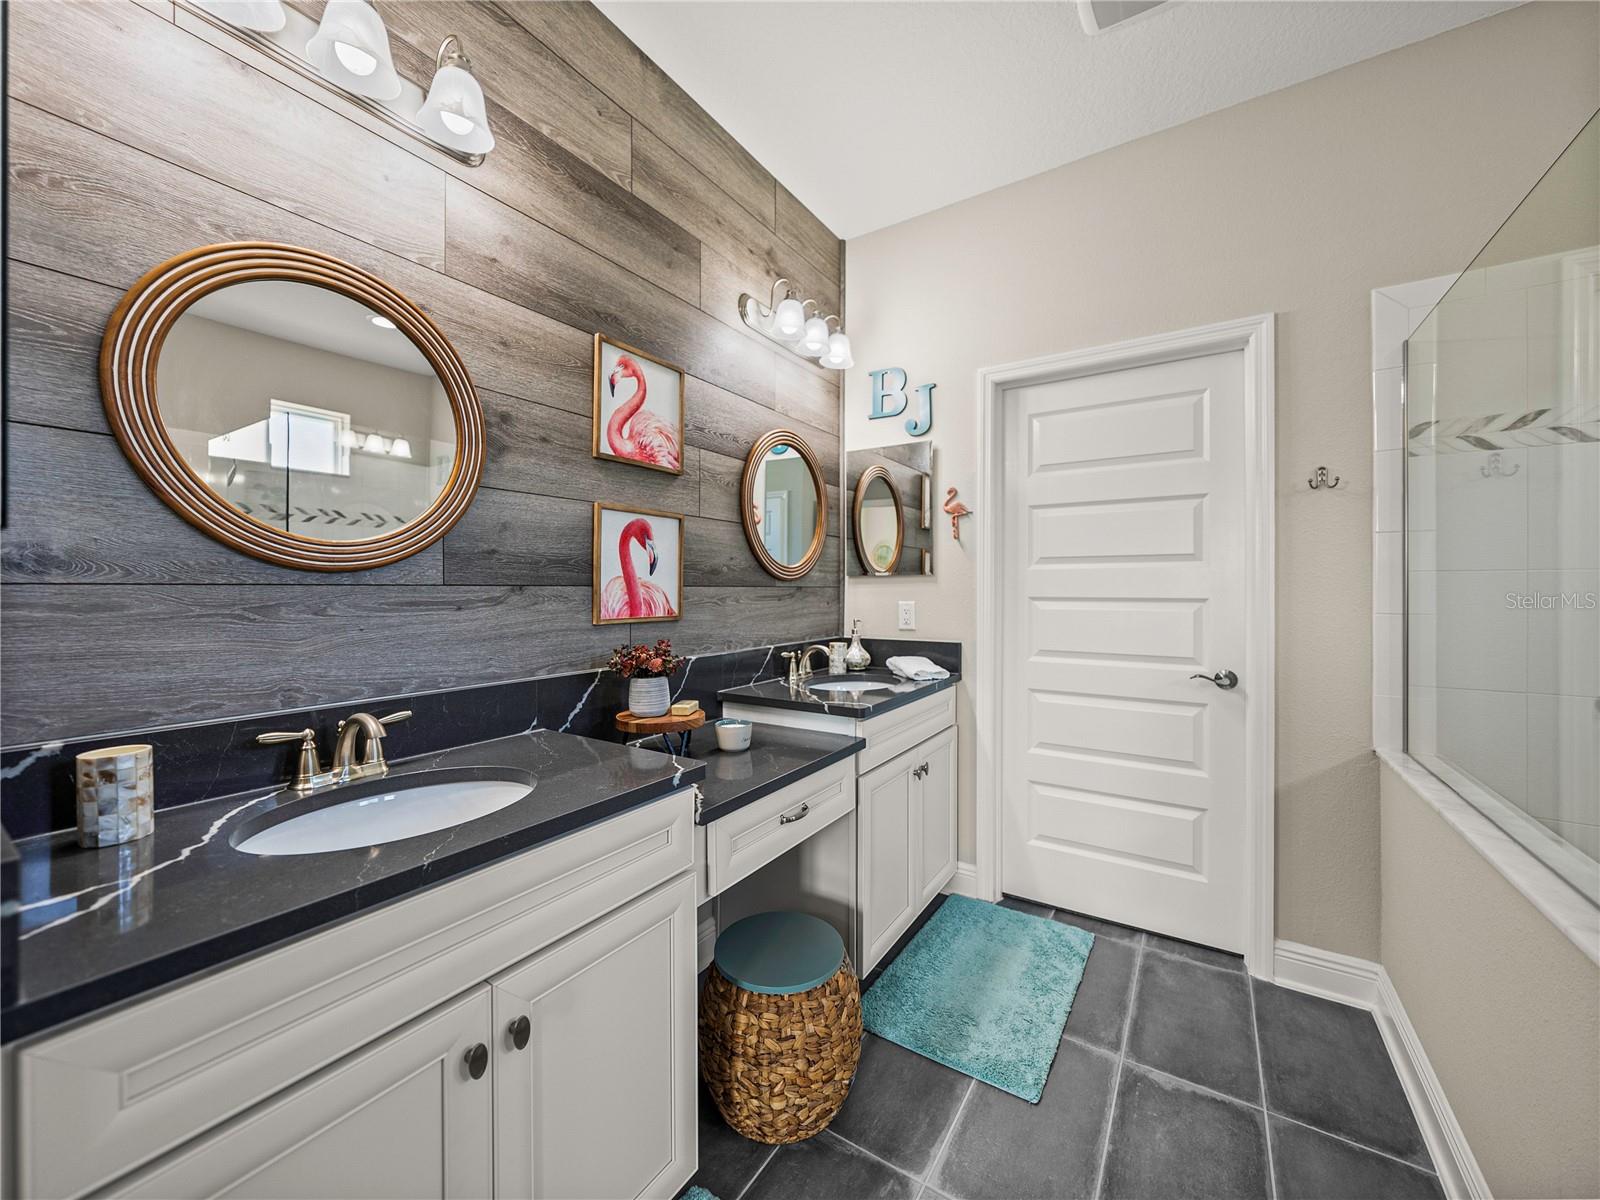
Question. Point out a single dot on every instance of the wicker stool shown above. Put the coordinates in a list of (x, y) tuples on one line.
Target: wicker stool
[(780, 1026)]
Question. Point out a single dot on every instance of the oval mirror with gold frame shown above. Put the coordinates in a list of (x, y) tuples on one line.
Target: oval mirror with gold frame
[(784, 504), (292, 406), (879, 520)]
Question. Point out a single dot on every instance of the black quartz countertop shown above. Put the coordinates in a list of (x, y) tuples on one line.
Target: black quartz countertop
[(777, 757), (96, 927), (776, 693)]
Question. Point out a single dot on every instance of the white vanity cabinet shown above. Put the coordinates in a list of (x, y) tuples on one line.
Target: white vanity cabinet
[(906, 831), (385, 1056)]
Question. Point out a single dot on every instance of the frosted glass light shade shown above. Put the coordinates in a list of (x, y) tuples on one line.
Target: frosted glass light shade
[(264, 16), (815, 340), (400, 448), (351, 49), (374, 445), (454, 112), (789, 319), (838, 355)]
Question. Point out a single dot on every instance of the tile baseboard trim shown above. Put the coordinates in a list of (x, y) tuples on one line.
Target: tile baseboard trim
[(964, 882), (1367, 985)]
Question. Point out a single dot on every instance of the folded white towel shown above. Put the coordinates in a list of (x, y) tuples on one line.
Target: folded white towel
[(913, 666)]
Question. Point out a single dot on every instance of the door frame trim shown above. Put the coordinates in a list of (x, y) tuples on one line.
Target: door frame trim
[(1255, 336)]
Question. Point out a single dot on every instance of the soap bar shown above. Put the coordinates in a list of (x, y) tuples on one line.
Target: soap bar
[(685, 708)]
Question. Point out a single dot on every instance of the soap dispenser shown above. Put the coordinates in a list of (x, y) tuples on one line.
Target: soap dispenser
[(856, 658)]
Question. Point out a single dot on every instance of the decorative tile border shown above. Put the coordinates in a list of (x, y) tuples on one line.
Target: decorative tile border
[(1504, 431)]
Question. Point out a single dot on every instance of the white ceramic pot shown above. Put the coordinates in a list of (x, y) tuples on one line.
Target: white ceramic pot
[(649, 697)]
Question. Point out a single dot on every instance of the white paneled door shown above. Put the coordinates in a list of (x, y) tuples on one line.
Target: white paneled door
[(1126, 574)]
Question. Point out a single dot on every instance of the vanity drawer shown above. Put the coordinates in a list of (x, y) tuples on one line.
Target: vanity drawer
[(115, 1092), (902, 728), (745, 841)]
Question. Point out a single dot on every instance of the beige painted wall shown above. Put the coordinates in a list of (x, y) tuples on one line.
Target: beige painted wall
[(1300, 203), (1507, 1007)]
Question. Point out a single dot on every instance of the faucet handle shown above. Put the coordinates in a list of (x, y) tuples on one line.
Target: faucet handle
[(395, 717), (306, 773)]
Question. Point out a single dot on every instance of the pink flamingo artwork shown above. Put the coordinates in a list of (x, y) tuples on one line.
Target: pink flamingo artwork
[(635, 434), (957, 510), (626, 596)]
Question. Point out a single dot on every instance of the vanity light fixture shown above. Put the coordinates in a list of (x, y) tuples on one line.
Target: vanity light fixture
[(454, 112), (263, 16), (351, 48), (400, 448), (785, 322), (347, 51)]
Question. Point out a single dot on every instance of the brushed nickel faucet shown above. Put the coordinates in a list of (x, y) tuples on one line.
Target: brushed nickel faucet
[(800, 663), (344, 769)]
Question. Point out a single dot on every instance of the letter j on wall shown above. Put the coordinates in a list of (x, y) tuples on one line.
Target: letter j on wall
[(889, 399)]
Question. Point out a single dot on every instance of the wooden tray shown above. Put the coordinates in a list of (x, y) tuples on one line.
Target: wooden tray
[(645, 726)]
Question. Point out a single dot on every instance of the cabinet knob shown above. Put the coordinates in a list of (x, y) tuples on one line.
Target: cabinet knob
[(520, 1030), (477, 1060)]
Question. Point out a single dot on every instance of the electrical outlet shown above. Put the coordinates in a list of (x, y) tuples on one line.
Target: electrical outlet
[(908, 614)]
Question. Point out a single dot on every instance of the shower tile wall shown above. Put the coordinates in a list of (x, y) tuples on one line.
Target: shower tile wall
[(1505, 549)]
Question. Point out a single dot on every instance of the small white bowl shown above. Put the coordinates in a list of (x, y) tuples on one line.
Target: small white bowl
[(733, 734)]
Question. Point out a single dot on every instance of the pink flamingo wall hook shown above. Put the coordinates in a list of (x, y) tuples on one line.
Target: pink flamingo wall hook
[(957, 510)]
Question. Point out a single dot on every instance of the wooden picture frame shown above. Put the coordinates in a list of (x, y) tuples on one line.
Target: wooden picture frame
[(647, 437), (750, 514), (619, 597), (131, 349)]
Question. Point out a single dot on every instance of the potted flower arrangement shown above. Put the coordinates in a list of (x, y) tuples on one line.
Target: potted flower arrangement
[(646, 669)]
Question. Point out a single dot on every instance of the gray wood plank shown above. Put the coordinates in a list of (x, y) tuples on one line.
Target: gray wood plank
[(717, 618), (104, 658), (54, 323), (544, 180), (521, 74), (60, 175), (519, 539), (809, 393), (498, 249), (79, 514), (801, 228), (718, 555), (728, 424), (121, 71), (676, 188), (546, 452), (580, 34)]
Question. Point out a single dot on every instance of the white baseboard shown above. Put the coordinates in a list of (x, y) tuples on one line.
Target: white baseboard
[(1367, 985), (964, 882)]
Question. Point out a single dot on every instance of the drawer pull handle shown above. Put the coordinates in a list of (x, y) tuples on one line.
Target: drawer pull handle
[(791, 818), (520, 1030), (477, 1059)]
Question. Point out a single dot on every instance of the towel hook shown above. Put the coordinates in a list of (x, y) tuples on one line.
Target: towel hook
[(1319, 479), (1496, 467)]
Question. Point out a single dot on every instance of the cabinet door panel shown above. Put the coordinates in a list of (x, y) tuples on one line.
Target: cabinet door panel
[(601, 1101), (938, 800), (401, 1119), (886, 814)]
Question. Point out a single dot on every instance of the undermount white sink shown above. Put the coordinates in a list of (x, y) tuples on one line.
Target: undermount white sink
[(849, 685), (386, 815)]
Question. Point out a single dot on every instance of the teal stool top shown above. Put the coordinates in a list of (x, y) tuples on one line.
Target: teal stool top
[(779, 953)]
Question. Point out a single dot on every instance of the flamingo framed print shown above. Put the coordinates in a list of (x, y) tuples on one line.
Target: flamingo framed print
[(638, 565), (638, 407)]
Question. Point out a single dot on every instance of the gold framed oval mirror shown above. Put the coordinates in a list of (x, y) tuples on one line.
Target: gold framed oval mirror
[(784, 504), (292, 406), (880, 522)]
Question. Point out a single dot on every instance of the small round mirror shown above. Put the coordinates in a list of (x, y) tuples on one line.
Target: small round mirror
[(784, 504), (880, 522), (293, 406)]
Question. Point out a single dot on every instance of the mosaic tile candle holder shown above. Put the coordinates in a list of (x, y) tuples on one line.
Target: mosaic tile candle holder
[(116, 795)]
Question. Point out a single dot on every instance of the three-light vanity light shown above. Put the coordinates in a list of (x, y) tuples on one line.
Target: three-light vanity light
[(348, 51), (787, 323)]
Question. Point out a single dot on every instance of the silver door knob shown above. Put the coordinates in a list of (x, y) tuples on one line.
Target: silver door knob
[(1226, 680)]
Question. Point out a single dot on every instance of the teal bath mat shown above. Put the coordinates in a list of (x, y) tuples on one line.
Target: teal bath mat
[(985, 990)]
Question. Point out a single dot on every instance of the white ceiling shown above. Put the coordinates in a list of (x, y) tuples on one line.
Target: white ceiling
[(872, 111)]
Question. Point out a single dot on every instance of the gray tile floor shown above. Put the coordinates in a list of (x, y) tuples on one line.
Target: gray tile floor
[(1178, 1076)]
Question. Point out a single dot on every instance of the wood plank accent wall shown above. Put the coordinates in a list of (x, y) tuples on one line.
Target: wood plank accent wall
[(612, 203)]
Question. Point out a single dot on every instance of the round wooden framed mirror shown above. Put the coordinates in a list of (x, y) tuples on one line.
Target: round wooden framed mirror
[(880, 522), (784, 504), (292, 406)]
